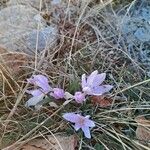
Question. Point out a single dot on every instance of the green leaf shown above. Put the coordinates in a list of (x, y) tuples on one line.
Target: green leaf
[(73, 86), (98, 146), (46, 100)]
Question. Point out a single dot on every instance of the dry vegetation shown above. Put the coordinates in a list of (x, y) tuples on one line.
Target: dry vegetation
[(88, 40)]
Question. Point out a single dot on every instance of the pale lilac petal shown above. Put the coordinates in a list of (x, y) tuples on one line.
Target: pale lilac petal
[(89, 123), (87, 116), (84, 83), (86, 131), (36, 92), (40, 78), (79, 97), (47, 88), (31, 81), (99, 90), (77, 126), (91, 78), (34, 100), (99, 79), (87, 90), (72, 117), (42, 82)]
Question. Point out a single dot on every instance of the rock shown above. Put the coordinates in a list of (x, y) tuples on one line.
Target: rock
[(135, 29), (55, 2), (3, 3), (137, 23), (18, 28), (16, 21), (18, 15), (46, 38), (35, 3), (142, 34), (29, 3)]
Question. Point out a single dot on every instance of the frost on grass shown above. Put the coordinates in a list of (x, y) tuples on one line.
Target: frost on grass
[(135, 27)]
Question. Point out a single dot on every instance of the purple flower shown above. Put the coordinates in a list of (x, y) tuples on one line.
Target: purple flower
[(79, 97), (80, 122), (92, 85), (58, 93), (40, 81), (38, 94)]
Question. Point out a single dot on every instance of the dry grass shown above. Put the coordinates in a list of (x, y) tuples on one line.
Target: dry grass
[(88, 40)]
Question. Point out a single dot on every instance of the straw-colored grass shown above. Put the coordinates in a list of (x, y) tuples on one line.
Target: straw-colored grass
[(88, 40)]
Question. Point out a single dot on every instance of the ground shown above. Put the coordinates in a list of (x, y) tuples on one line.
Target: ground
[(91, 35)]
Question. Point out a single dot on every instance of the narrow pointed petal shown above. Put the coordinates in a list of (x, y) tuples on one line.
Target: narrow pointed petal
[(72, 117), (36, 92), (99, 79), (91, 78), (77, 126), (86, 131), (89, 123), (31, 81), (42, 82), (99, 90), (87, 116), (84, 84), (40, 78), (34, 100), (47, 88)]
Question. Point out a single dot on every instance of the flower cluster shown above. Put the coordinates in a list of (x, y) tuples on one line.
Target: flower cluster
[(43, 89), (91, 85)]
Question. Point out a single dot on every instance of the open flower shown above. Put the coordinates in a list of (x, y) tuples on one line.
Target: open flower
[(80, 122), (40, 81), (92, 85), (38, 94), (79, 97), (57, 93)]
